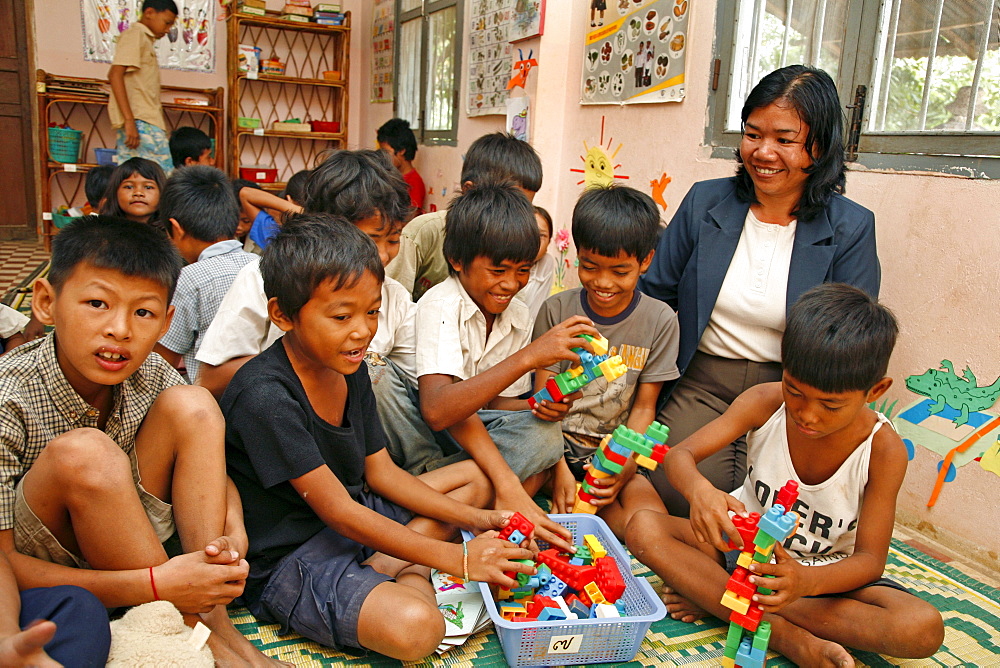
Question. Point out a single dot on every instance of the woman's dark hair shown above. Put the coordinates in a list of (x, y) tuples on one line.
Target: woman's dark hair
[(147, 169), (812, 93)]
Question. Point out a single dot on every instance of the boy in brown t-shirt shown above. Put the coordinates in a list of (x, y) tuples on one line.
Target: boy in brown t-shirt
[(134, 105)]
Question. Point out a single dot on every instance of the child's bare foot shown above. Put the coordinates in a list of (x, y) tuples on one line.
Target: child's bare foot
[(232, 648), (680, 608), (805, 649)]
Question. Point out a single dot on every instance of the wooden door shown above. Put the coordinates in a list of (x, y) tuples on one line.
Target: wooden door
[(17, 177)]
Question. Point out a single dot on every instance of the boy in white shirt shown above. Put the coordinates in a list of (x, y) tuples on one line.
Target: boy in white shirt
[(474, 352)]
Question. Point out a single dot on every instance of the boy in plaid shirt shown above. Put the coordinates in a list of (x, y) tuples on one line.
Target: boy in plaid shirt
[(104, 452)]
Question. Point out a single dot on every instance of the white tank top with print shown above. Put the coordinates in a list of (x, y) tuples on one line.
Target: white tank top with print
[(828, 511)]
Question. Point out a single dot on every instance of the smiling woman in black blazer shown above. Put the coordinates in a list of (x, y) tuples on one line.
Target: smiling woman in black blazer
[(740, 251)]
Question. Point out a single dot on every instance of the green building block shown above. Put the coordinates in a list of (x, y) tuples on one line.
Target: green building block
[(614, 467), (658, 432), (762, 637), (733, 640)]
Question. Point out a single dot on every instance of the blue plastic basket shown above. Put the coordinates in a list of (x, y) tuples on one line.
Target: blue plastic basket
[(105, 156), (578, 641)]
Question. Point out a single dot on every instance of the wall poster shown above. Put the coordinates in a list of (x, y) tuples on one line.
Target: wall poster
[(489, 56), (383, 28), (635, 51), (190, 44)]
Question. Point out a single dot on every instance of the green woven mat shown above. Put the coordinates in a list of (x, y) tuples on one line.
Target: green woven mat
[(970, 608)]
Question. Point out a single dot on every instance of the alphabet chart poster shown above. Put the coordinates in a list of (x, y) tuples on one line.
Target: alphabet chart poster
[(382, 36), (489, 56)]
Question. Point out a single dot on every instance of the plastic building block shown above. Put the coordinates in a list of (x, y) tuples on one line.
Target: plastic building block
[(544, 573), (733, 639), (503, 594), (565, 609), (657, 433), (517, 523), (609, 579), (574, 576), (606, 611), (725, 661), (579, 609), (747, 528), (751, 620), (583, 552), (735, 602), (788, 495), (744, 655), (645, 462), (583, 507), (594, 545), (764, 590), (538, 604), (513, 574), (554, 587), (762, 637), (777, 523), (745, 559), (516, 537), (738, 583), (511, 610), (594, 593), (551, 614)]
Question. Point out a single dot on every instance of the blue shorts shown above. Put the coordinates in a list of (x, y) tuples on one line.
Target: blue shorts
[(733, 555), (153, 145), (318, 590)]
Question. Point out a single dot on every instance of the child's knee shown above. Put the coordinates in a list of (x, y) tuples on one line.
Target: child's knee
[(924, 630), (191, 404), (417, 629), (85, 457)]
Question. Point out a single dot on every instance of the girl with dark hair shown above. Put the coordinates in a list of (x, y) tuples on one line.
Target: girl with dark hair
[(133, 191), (740, 251)]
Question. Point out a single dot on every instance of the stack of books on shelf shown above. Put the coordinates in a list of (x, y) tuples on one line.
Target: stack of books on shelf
[(328, 14), (254, 7), (297, 10)]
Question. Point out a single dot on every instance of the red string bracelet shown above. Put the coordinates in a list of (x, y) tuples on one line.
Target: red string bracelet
[(156, 597)]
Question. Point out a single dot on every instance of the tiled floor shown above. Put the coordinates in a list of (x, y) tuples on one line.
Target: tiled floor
[(17, 260)]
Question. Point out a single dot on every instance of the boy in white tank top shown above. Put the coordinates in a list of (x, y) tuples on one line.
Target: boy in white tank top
[(813, 427)]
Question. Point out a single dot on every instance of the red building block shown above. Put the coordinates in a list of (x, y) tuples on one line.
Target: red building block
[(738, 583), (609, 579), (747, 526), (659, 452), (749, 621), (574, 576), (554, 390), (788, 495), (540, 602), (517, 523)]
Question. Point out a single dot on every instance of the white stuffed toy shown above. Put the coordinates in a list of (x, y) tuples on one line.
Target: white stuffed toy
[(154, 635)]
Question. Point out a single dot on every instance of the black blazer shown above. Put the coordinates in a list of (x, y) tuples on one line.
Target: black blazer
[(694, 253)]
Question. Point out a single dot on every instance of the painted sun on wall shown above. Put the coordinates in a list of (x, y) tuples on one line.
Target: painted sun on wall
[(599, 167)]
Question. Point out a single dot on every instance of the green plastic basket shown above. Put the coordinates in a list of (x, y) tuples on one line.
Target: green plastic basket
[(64, 144)]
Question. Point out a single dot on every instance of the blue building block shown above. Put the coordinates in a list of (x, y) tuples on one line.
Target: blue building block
[(576, 561), (747, 656), (551, 614), (579, 609), (554, 587), (516, 537), (543, 574), (776, 523)]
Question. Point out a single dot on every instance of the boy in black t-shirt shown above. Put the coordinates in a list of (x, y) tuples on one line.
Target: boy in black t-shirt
[(332, 555)]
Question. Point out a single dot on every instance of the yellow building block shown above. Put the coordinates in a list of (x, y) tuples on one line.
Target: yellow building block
[(594, 545), (613, 367), (594, 592), (598, 474), (645, 462), (503, 594), (575, 371), (584, 507), (727, 662), (600, 345), (735, 602), (745, 559)]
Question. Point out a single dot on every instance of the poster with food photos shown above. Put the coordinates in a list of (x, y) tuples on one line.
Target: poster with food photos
[(383, 19), (635, 51), (188, 45), (489, 56)]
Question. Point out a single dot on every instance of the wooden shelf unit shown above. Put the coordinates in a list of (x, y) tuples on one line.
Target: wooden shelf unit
[(308, 50), (83, 105)]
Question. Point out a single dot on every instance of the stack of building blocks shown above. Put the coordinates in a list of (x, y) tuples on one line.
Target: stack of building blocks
[(746, 643), (647, 449), (592, 366), (586, 584)]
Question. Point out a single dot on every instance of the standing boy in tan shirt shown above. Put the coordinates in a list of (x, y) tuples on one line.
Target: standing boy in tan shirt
[(134, 105)]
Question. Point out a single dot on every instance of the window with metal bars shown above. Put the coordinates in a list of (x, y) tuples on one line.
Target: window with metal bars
[(919, 79), (428, 55)]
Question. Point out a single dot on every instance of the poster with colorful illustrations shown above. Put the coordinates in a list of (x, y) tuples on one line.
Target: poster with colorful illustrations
[(635, 51), (189, 45), (489, 56), (528, 19), (383, 27)]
